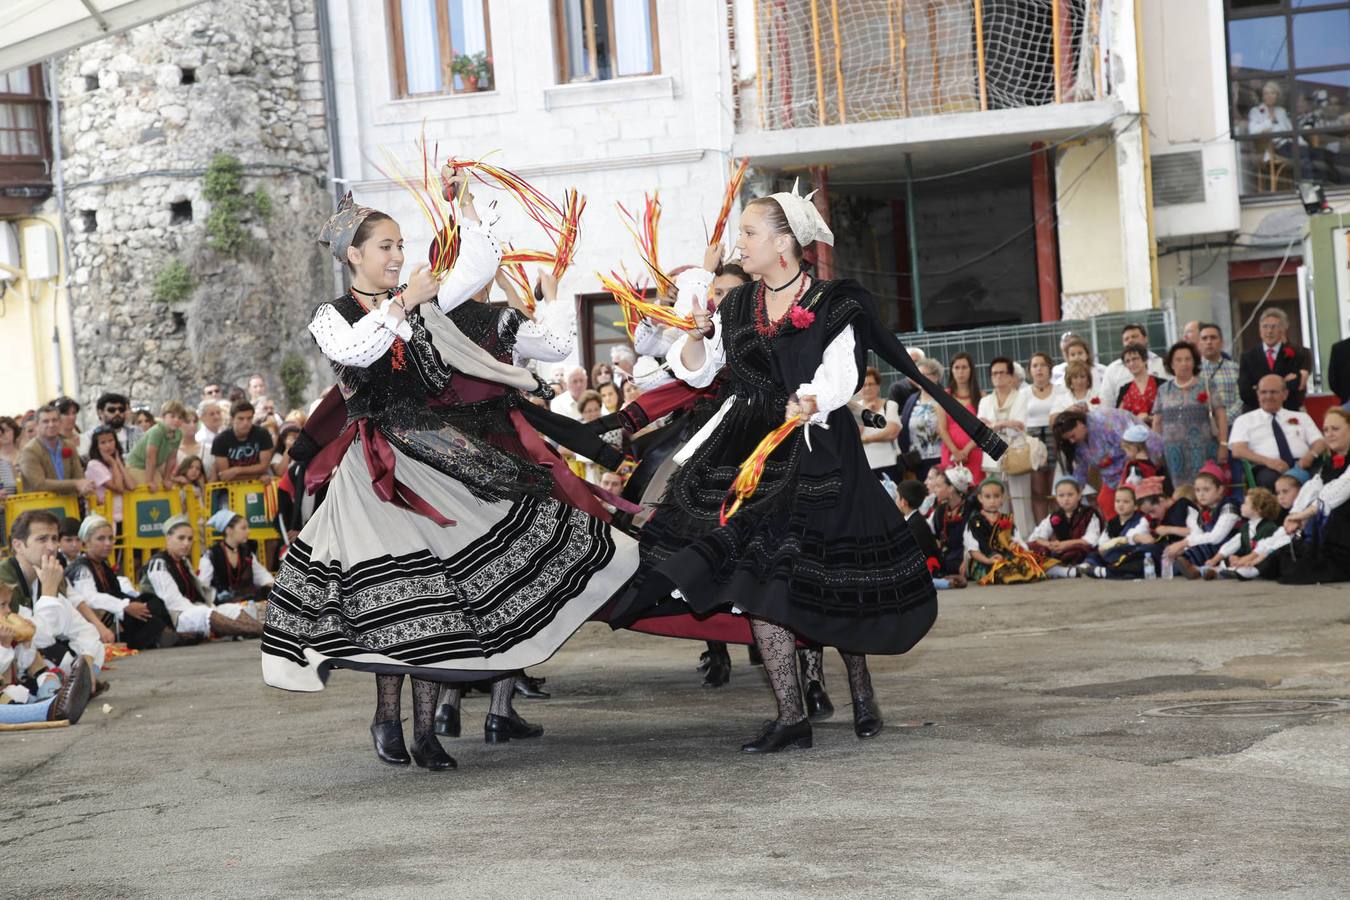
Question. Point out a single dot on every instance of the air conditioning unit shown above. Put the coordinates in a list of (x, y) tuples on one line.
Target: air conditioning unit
[(1195, 190)]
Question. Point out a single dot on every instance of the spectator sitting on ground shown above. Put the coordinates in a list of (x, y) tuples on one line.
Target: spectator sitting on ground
[(142, 620), (170, 577), (154, 459), (1219, 517), (1123, 548), (1067, 535), (909, 497), (1287, 487), (29, 692), (69, 411), (1273, 438), (244, 450), (950, 486), (566, 402), (229, 570), (1320, 514), (1247, 554), (50, 464), (66, 632), (67, 540), (992, 542), (1274, 356)]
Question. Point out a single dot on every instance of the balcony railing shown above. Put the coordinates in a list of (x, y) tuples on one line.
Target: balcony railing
[(828, 62)]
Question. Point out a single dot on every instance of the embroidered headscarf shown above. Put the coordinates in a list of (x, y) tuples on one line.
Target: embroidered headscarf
[(803, 218), (337, 233), (92, 524)]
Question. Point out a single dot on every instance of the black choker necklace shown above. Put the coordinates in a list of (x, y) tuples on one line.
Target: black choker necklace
[(785, 285), (368, 293)]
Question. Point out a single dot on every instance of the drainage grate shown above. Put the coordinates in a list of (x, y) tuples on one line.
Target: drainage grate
[(1225, 709)]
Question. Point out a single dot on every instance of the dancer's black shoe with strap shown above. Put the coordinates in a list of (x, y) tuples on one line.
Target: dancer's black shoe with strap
[(781, 736)]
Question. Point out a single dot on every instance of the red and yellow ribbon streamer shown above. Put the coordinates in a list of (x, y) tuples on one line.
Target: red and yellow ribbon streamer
[(747, 477), (644, 232), (733, 188), (636, 308)]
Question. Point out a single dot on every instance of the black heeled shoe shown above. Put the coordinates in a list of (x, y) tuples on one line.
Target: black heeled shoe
[(500, 729), (530, 688), (428, 753), (447, 719), (717, 672), (779, 736), (818, 705), (389, 746), (867, 721)]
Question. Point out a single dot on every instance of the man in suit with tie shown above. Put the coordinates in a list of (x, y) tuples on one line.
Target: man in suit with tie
[(1274, 355), (1275, 439)]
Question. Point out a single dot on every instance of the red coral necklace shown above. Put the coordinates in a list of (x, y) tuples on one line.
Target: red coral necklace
[(763, 324)]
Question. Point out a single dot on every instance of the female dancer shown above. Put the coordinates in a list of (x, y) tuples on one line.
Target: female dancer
[(819, 551), (436, 553)]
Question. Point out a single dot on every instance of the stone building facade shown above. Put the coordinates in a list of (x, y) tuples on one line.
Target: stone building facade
[(144, 114)]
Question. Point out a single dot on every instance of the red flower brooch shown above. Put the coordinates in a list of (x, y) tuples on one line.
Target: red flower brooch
[(1293, 420), (1338, 460), (1202, 397), (1004, 523), (67, 453), (1056, 520), (1289, 352), (1206, 516), (1095, 400), (801, 318)]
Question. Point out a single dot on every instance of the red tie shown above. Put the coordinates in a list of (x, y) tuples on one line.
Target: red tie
[(1270, 359)]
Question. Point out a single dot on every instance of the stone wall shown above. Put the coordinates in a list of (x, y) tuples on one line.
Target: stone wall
[(143, 115)]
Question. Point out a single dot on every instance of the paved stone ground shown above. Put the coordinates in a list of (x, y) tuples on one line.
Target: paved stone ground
[(1040, 775)]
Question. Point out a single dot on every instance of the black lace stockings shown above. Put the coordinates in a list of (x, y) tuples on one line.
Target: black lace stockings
[(503, 692), (778, 646), (859, 679), (388, 702)]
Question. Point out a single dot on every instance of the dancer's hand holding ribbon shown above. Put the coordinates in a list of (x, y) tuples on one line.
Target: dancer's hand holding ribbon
[(801, 406), (703, 326), (422, 286)]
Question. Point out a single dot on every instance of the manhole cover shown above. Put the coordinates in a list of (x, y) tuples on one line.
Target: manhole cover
[(1249, 708)]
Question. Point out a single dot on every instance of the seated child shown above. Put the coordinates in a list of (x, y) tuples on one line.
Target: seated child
[(909, 497), (1287, 488), (1219, 517), (169, 577), (1069, 534), (1138, 465), (995, 552), (1249, 553), (1124, 545), (951, 508)]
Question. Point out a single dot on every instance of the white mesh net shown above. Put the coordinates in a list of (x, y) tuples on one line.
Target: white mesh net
[(826, 62)]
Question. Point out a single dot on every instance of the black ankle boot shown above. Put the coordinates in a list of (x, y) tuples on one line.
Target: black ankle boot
[(500, 729), (428, 753), (530, 688), (818, 705), (389, 745), (717, 672), (780, 736), (866, 717), (447, 719)]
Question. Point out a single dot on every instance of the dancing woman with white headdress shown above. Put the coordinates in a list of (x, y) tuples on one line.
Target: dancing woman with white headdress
[(819, 552), (436, 553)]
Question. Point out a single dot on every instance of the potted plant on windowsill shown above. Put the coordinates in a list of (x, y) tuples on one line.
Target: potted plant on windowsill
[(475, 71)]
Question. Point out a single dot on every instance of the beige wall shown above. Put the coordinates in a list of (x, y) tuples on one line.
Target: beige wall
[(1090, 243), (1183, 46), (29, 311)]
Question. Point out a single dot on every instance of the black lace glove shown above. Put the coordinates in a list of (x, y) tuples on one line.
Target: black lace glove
[(542, 389)]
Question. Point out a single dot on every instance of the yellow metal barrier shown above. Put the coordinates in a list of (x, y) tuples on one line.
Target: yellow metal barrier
[(59, 505), (144, 513)]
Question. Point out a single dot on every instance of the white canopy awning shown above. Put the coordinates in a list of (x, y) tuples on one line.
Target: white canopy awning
[(32, 30)]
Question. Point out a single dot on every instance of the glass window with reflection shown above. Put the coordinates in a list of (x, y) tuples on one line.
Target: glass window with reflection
[(602, 39), (440, 46), (1289, 90)]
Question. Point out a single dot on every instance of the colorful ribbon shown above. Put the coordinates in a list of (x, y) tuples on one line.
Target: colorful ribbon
[(747, 477)]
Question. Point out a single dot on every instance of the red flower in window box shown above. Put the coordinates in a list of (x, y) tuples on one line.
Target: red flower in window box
[(1289, 352), (1202, 397), (801, 318), (67, 453), (1095, 400)]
